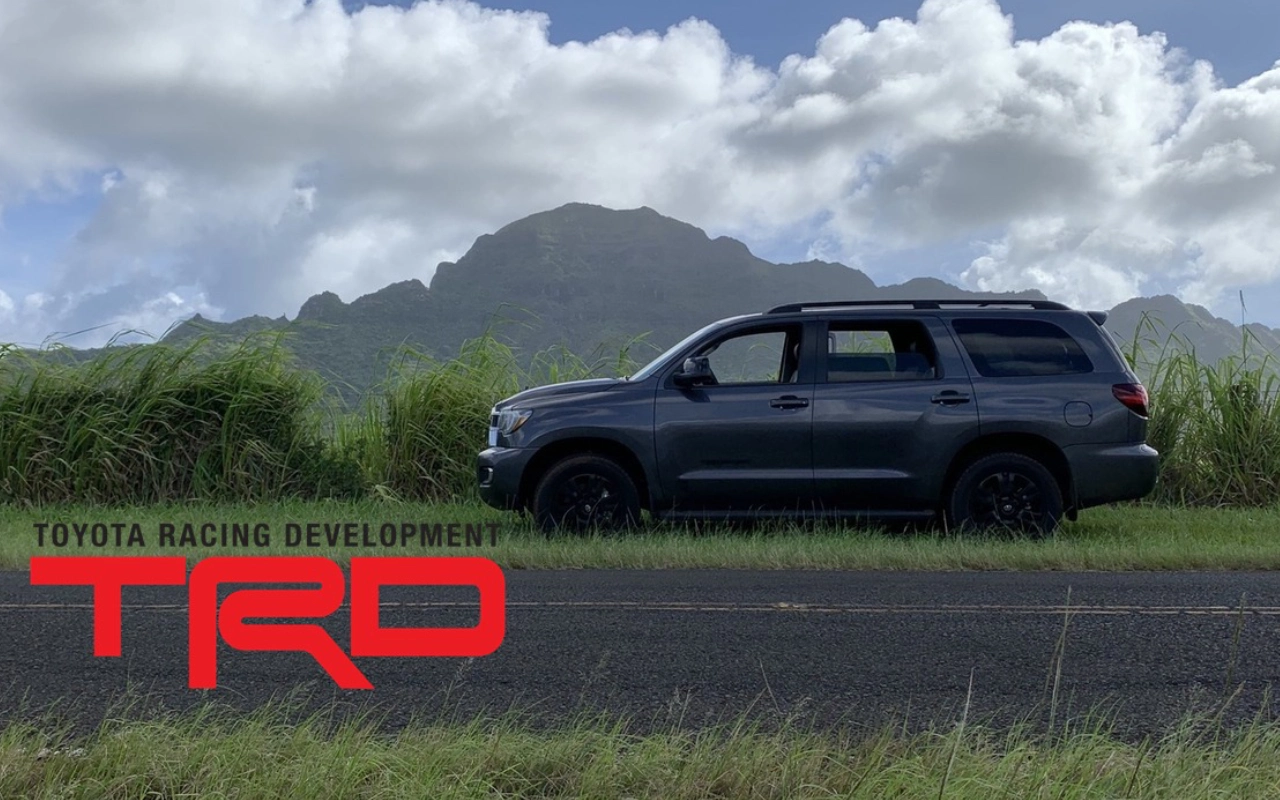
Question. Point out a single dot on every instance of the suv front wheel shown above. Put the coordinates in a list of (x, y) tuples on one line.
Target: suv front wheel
[(1006, 491), (586, 492)]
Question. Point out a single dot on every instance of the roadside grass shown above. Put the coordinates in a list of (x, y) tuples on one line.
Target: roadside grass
[(206, 422), (156, 424), (1134, 537), (1215, 424), (210, 753)]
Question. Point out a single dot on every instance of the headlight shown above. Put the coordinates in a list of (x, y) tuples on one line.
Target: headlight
[(510, 420), (506, 422)]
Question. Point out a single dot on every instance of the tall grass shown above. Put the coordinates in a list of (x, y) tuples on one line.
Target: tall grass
[(1216, 425), (213, 752), (160, 424), (152, 424), (155, 423)]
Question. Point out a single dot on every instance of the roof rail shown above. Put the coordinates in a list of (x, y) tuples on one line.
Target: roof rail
[(1039, 305)]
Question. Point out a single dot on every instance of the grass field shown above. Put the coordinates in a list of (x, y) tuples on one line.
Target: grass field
[(1114, 538), (208, 754)]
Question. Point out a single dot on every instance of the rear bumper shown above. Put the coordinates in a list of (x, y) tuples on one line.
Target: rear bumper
[(498, 471), (1110, 473)]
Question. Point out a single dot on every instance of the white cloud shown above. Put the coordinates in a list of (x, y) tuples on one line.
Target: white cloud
[(252, 152), (374, 252)]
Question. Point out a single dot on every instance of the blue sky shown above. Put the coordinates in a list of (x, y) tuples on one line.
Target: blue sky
[(232, 159)]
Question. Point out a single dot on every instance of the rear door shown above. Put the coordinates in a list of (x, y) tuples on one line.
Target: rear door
[(743, 443), (891, 403)]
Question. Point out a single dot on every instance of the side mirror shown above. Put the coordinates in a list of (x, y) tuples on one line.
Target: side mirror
[(696, 370)]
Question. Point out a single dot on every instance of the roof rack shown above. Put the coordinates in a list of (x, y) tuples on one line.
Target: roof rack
[(1039, 305)]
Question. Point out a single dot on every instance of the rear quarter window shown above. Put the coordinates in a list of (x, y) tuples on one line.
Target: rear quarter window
[(1017, 348)]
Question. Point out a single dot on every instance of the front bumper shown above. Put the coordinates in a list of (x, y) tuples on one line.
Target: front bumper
[(1112, 473), (498, 471)]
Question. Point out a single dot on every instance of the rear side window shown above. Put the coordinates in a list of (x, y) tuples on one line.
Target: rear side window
[(885, 351), (1015, 348)]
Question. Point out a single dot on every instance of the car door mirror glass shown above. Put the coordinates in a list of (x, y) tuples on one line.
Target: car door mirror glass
[(696, 370)]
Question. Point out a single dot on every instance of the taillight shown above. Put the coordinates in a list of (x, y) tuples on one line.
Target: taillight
[(1133, 395)]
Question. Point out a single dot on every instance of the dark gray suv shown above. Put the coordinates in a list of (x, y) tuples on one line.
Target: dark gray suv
[(988, 414)]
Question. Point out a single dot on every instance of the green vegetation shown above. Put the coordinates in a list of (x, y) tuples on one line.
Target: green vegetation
[(208, 422), (153, 424), (1122, 538), (1216, 425), (157, 423), (218, 754)]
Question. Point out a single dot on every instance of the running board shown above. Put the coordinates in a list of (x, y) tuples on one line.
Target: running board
[(735, 516)]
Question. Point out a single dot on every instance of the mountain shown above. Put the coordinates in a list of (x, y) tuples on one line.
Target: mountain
[(591, 279), (1164, 320)]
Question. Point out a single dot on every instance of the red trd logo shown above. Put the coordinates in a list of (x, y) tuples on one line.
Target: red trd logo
[(109, 574)]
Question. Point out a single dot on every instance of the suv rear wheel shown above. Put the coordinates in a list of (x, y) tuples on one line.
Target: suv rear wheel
[(586, 492), (1006, 491)]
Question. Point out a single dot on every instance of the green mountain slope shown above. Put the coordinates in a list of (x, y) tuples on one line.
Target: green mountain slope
[(591, 279), (581, 276)]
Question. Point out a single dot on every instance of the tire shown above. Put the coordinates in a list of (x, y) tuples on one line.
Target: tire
[(584, 493), (1006, 492)]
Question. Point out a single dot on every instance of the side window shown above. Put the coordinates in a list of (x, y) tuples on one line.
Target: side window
[(758, 356), (879, 351), (1013, 348)]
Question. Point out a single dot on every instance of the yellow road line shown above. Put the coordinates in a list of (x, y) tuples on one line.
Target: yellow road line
[(778, 607)]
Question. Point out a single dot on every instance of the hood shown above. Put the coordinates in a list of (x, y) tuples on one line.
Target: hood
[(560, 390)]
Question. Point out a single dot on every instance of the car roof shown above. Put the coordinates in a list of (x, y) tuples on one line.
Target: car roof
[(836, 309), (967, 307), (930, 305)]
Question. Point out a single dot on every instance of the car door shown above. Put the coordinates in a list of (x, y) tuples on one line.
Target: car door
[(743, 442), (892, 402)]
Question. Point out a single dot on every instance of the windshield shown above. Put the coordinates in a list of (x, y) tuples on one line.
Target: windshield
[(664, 359)]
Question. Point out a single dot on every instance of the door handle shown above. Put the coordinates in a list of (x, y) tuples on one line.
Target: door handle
[(950, 397), (788, 401)]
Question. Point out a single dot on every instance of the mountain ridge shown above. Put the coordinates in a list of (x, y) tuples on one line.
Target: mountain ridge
[(592, 279)]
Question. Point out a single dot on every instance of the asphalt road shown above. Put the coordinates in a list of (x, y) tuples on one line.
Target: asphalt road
[(697, 647)]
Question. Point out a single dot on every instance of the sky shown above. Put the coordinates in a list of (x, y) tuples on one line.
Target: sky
[(234, 157)]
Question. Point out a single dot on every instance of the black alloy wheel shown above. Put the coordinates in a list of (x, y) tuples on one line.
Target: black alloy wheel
[(1006, 492), (586, 493)]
